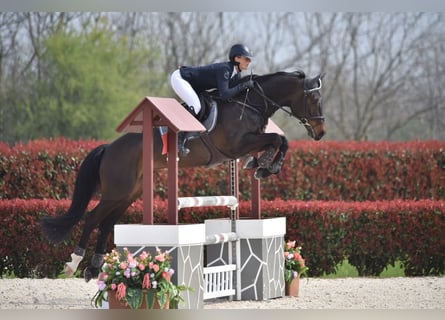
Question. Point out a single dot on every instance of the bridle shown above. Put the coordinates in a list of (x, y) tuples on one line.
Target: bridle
[(306, 92)]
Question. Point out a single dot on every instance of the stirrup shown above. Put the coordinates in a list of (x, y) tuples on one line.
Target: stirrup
[(183, 151)]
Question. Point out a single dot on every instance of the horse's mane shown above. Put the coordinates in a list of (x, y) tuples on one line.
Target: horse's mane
[(298, 73)]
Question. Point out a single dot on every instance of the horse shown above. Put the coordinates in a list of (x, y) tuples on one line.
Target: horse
[(115, 169)]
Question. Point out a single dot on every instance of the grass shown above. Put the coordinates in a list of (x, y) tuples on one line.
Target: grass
[(345, 270)]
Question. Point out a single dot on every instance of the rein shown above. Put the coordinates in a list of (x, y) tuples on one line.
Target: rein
[(306, 91)]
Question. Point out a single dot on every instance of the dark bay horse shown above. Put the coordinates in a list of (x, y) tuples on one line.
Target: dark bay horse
[(115, 169)]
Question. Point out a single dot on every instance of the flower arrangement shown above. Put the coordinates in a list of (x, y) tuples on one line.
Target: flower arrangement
[(138, 275), (294, 265)]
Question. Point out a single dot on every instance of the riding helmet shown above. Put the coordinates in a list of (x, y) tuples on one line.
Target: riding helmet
[(239, 50)]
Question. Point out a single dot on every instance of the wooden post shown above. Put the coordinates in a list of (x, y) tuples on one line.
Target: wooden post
[(148, 166), (172, 178)]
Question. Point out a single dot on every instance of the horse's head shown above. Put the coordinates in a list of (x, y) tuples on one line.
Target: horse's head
[(306, 105), (302, 95)]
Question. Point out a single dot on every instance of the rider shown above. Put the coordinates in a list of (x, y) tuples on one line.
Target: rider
[(188, 82)]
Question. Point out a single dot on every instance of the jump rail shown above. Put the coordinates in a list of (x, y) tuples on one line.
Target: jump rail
[(209, 201), (221, 238)]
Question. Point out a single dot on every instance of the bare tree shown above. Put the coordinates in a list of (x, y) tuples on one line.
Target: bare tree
[(384, 70), (9, 28), (376, 55)]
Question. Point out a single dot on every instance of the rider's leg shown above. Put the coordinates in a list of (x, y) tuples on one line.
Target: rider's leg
[(185, 91)]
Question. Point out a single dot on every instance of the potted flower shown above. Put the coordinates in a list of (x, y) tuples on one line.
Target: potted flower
[(141, 281), (294, 267)]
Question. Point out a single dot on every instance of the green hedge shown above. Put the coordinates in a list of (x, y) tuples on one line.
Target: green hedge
[(347, 171), (371, 235)]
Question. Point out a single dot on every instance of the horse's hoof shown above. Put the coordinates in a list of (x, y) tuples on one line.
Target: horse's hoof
[(266, 158), (275, 168), (68, 271), (90, 273), (262, 173), (184, 152), (251, 163)]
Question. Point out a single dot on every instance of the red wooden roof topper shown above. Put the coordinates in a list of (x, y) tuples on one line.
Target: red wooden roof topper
[(165, 112)]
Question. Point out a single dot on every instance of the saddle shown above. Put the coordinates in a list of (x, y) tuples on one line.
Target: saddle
[(207, 116), (208, 113)]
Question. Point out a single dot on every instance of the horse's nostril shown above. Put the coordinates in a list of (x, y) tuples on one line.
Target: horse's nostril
[(320, 135)]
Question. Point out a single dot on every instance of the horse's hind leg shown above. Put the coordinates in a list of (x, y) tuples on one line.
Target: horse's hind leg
[(93, 218), (105, 228)]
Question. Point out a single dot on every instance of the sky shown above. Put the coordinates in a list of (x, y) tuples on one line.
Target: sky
[(226, 5)]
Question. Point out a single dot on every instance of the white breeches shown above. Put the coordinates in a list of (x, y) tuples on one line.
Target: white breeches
[(185, 91)]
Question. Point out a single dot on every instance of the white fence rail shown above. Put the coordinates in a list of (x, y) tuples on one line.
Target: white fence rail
[(218, 281)]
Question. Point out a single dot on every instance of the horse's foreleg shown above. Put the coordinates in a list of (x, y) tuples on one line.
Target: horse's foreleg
[(265, 160), (251, 163), (278, 161), (257, 142), (275, 166)]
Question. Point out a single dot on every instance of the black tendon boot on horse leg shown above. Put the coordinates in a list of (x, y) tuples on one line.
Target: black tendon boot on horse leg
[(92, 271)]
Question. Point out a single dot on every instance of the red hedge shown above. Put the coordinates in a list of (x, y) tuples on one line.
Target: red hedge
[(42, 168), (371, 235), (324, 170)]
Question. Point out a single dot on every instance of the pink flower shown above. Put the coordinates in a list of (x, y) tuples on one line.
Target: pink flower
[(123, 265), (290, 244), (113, 286), (141, 267), (103, 276), (160, 257), (166, 275), (155, 268), (121, 291), (146, 283)]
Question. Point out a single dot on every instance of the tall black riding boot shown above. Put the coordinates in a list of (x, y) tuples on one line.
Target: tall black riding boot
[(183, 151)]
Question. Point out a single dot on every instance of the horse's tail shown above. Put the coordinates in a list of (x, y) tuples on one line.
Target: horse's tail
[(57, 228)]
